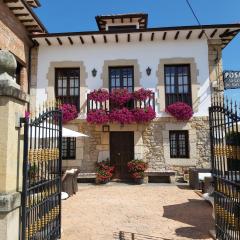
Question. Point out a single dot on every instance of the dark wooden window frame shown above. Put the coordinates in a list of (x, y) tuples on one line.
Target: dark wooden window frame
[(170, 98), (177, 145), (121, 77), (68, 98), (69, 149), (130, 104)]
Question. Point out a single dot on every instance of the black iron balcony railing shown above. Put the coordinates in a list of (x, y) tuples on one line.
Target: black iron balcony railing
[(108, 105)]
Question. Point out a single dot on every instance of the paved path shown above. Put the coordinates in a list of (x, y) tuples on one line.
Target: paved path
[(158, 211)]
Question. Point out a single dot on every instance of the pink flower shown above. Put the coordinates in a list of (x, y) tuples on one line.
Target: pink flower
[(180, 110), (120, 96), (123, 116), (27, 114), (99, 95), (143, 94), (143, 115), (69, 112), (97, 117)]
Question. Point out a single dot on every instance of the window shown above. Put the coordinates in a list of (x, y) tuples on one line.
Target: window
[(177, 84), (179, 144), (121, 77), (67, 85), (68, 148)]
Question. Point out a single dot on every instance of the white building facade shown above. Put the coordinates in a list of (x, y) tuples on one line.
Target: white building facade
[(181, 62)]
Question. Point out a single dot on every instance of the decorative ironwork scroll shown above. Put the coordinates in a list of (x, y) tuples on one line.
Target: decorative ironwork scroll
[(41, 194)]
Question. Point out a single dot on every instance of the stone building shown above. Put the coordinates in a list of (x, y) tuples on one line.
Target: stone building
[(176, 63), (17, 23)]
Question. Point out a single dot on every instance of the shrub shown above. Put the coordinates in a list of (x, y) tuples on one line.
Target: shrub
[(69, 112), (100, 95), (180, 110), (120, 96), (142, 94), (97, 117), (143, 115), (123, 116)]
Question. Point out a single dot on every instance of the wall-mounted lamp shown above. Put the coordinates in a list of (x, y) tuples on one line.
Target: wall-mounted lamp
[(148, 71), (105, 128), (94, 72)]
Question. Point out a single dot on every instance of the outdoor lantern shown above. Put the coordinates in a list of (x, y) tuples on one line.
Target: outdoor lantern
[(148, 70), (105, 128), (94, 72)]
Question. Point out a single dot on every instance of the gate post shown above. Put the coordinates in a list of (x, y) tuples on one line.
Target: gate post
[(12, 107)]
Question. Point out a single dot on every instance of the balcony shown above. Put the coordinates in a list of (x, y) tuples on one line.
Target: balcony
[(125, 107)]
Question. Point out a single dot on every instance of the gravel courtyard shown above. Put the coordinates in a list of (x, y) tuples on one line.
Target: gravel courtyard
[(153, 211)]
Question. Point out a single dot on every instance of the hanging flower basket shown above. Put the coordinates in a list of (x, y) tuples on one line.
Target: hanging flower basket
[(122, 116), (100, 95), (69, 112), (97, 117), (143, 94), (120, 96), (144, 115), (180, 110)]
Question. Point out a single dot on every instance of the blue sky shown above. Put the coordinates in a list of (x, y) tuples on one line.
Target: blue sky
[(78, 15)]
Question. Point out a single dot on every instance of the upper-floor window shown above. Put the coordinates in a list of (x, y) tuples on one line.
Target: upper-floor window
[(177, 84), (121, 77), (67, 85), (179, 144)]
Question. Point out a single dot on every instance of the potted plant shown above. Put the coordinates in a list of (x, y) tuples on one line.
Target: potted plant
[(137, 170), (144, 115), (69, 112), (119, 96), (104, 172), (180, 110), (97, 117), (100, 95), (122, 116)]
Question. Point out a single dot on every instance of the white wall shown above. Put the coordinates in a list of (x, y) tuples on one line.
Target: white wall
[(147, 53)]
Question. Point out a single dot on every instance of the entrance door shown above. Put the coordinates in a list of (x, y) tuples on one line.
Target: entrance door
[(121, 152)]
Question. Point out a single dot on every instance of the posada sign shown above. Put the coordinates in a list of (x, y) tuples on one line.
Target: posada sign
[(231, 79)]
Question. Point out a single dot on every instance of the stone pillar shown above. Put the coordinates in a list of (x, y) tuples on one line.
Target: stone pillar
[(215, 65), (12, 107)]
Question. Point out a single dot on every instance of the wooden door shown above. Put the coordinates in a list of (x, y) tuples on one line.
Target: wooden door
[(121, 152)]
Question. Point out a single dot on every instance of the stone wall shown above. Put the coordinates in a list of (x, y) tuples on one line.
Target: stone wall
[(15, 38), (151, 144)]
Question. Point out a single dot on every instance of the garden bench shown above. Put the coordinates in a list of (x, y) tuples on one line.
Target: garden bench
[(86, 177), (167, 176)]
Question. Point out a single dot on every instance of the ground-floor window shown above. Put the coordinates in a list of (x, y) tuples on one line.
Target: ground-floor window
[(179, 144), (68, 148)]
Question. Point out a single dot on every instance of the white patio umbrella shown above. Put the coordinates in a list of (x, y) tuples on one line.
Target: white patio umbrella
[(43, 132)]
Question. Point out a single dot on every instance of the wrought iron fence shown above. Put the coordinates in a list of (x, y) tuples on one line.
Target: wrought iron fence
[(41, 194), (225, 146)]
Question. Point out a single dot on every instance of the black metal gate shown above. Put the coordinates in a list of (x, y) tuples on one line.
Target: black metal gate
[(41, 194), (225, 146)]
